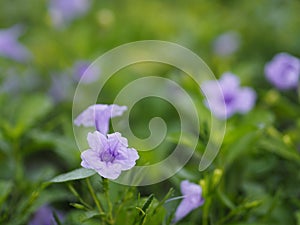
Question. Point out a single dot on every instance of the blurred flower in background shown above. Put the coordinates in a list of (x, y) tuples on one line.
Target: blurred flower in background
[(62, 12), (61, 88), (227, 43), (10, 47), (231, 99), (283, 71), (192, 194), (44, 216), (82, 72)]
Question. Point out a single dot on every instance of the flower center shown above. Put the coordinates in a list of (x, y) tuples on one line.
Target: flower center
[(228, 99), (107, 156)]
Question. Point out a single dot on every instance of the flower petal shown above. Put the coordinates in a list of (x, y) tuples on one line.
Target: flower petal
[(91, 160), (87, 117), (246, 100), (110, 170), (116, 110), (184, 208), (188, 188), (116, 141), (127, 158), (97, 141)]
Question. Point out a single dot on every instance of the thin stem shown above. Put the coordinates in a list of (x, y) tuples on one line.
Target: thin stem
[(105, 189), (94, 196), (206, 211)]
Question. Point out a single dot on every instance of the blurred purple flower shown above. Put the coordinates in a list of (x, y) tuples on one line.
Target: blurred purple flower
[(225, 97), (99, 115), (283, 71), (61, 88), (108, 155), (63, 12), (226, 43), (10, 46), (192, 199), (83, 74), (44, 216)]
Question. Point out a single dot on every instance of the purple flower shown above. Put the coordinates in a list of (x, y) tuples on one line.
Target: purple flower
[(61, 88), (192, 199), (63, 12), (108, 155), (82, 74), (44, 216), (226, 43), (99, 115), (9, 45), (283, 71), (225, 97)]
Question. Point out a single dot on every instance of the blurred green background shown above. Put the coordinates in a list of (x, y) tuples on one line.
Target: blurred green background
[(259, 160)]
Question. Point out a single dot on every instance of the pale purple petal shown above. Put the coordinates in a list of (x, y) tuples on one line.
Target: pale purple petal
[(90, 159), (117, 110), (283, 71), (229, 81), (111, 171), (188, 188), (87, 117), (127, 158), (116, 141), (183, 209), (246, 100), (97, 141)]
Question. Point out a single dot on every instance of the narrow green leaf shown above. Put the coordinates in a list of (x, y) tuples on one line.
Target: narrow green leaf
[(5, 187), (148, 202), (32, 109), (167, 196), (73, 175)]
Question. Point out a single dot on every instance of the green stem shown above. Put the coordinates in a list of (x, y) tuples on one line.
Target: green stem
[(94, 196), (105, 189), (18, 161), (206, 211)]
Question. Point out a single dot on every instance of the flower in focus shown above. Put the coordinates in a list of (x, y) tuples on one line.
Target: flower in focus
[(63, 12), (83, 74), (44, 216), (192, 199), (99, 115), (225, 97), (227, 43), (108, 155), (283, 71), (10, 46)]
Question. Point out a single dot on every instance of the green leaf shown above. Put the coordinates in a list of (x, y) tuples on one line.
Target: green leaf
[(32, 109), (240, 146), (147, 203), (274, 143), (297, 215), (73, 175), (225, 200), (5, 187)]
